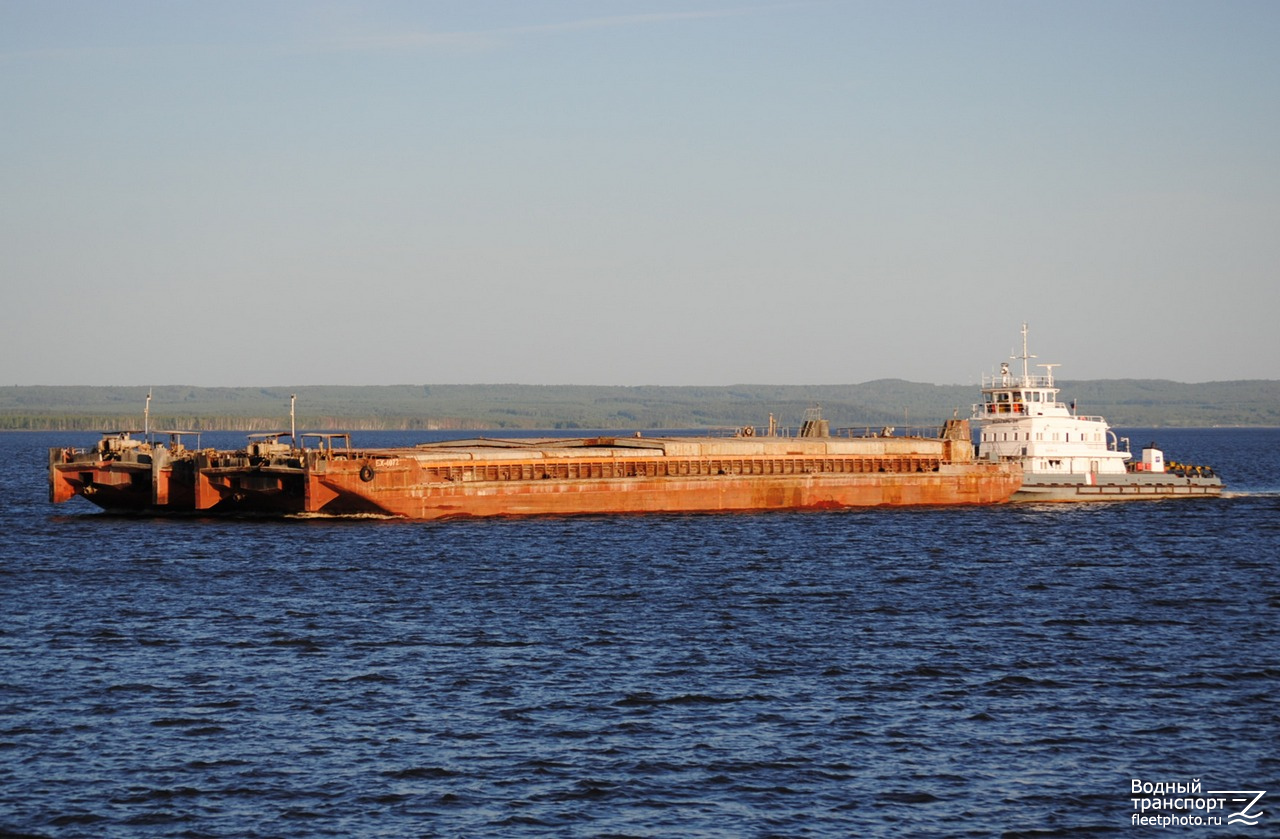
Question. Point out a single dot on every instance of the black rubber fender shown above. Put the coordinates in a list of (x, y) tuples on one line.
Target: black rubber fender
[(366, 473)]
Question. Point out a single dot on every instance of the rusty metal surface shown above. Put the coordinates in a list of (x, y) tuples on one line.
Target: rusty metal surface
[(607, 475), (393, 493), (538, 477)]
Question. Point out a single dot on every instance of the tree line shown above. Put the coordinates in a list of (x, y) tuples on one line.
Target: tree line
[(416, 407)]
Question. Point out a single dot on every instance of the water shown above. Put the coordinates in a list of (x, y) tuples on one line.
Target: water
[(960, 672)]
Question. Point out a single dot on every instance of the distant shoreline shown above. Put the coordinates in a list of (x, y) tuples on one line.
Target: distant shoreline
[(557, 432), (496, 408)]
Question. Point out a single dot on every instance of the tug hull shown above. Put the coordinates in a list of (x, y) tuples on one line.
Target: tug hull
[(1143, 486)]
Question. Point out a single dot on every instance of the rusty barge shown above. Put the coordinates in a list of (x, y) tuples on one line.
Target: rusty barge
[(325, 474)]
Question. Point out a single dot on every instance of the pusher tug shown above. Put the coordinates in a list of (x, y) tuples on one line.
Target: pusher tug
[(1069, 457)]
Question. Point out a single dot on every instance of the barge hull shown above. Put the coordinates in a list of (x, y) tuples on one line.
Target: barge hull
[(573, 476), (670, 495)]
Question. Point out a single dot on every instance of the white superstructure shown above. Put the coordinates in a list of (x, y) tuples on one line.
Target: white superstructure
[(1020, 418)]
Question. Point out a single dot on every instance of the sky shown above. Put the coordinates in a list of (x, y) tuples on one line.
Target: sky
[(617, 192)]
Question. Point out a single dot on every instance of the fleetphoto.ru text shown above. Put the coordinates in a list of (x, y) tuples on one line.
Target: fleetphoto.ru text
[(1188, 804)]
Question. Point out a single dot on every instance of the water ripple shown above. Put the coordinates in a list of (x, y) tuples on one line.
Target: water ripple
[(987, 672)]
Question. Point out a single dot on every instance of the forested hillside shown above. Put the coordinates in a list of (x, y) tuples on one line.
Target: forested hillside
[(1129, 402)]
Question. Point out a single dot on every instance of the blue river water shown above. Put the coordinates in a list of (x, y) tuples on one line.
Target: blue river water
[(996, 671)]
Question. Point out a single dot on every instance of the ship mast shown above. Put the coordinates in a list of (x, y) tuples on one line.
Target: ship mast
[(1026, 372)]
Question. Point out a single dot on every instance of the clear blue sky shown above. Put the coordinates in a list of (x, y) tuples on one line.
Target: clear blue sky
[(625, 192)]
